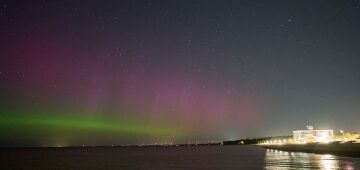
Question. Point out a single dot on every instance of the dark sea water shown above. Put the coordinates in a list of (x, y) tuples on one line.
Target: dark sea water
[(164, 158)]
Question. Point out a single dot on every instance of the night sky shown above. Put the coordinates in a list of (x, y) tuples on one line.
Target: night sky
[(118, 72)]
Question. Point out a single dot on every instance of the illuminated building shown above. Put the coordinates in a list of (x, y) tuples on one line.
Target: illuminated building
[(311, 135)]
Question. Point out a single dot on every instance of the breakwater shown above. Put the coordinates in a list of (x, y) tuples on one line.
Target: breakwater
[(343, 149)]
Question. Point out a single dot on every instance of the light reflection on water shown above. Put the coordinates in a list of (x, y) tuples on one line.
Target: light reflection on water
[(276, 159)]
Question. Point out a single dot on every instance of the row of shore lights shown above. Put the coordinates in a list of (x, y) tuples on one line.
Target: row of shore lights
[(283, 141)]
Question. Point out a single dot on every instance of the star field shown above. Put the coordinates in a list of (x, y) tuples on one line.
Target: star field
[(198, 70)]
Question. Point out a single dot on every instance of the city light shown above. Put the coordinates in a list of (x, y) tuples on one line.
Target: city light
[(312, 135)]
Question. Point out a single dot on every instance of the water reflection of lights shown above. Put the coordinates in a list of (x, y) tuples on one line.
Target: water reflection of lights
[(328, 162), (348, 166), (276, 159)]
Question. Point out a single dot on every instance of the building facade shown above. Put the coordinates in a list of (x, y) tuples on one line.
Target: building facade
[(311, 135)]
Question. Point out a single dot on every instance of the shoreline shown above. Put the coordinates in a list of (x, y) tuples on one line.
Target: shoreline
[(340, 149)]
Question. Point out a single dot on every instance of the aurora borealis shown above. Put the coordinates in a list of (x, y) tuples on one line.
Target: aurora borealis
[(72, 127), (118, 72)]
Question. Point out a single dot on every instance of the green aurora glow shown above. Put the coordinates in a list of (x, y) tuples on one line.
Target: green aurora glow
[(30, 126)]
